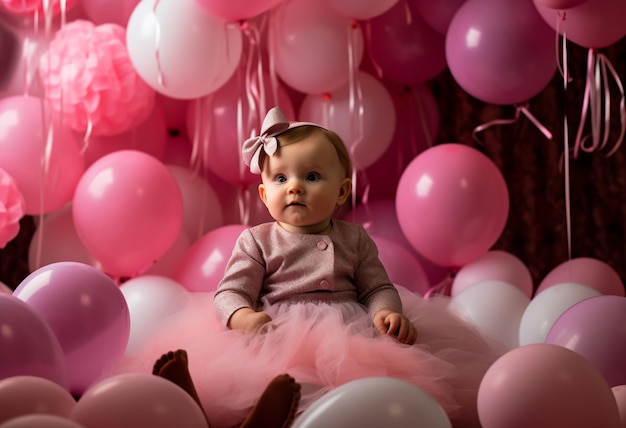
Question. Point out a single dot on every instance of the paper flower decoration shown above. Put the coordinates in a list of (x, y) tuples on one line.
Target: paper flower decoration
[(88, 76), (11, 208)]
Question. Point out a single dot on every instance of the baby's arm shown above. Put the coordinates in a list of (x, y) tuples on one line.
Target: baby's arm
[(247, 319), (388, 321)]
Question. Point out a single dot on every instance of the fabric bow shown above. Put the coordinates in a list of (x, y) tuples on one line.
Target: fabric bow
[(274, 123)]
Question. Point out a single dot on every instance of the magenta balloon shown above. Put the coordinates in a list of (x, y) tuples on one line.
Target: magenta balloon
[(592, 24), (498, 59), (41, 421), (595, 329), (25, 122), (588, 271), (438, 14), (360, 9), (452, 204), (88, 314), (405, 48), (128, 211), (202, 267), (543, 385), (24, 395), (28, 346)]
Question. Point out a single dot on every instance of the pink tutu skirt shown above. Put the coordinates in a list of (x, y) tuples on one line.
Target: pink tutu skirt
[(322, 346)]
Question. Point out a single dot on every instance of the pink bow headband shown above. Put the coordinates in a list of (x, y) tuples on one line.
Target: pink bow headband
[(274, 124)]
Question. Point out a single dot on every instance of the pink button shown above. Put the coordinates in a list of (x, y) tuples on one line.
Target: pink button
[(322, 245), (325, 285)]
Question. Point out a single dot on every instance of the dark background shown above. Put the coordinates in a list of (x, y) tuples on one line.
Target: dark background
[(531, 164)]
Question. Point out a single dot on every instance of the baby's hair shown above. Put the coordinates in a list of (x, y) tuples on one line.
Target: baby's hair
[(299, 133)]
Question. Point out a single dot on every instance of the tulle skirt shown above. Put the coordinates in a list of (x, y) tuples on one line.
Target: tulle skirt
[(322, 345)]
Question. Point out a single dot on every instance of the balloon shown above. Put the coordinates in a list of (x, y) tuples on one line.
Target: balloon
[(8, 54), (28, 346), (24, 395), (452, 204), (88, 314), (128, 211), (40, 7), (591, 24), (359, 9), (237, 10), (168, 263), (366, 129), (11, 208), (373, 403), (25, 122), (56, 240), (132, 400), (438, 14), (203, 266), (402, 266), (494, 265), (316, 50), (109, 11), (545, 308), (545, 386), (175, 112), (40, 421), (619, 392), (588, 271), (560, 4), (495, 307), (404, 47), (594, 328), (497, 59), (180, 49)]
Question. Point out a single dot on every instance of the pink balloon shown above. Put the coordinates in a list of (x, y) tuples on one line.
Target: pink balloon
[(619, 392), (40, 421), (134, 400), (219, 124), (402, 266), (88, 314), (560, 4), (588, 271), (175, 113), (497, 59), (592, 24), (594, 328), (148, 137), (24, 395), (360, 9), (25, 122), (405, 48), (438, 14), (109, 11), (237, 10), (167, 264), (128, 211), (312, 46), (494, 265), (367, 128), (31, 348), (543, 385), (203, 266), (452, 204), (187, 34)]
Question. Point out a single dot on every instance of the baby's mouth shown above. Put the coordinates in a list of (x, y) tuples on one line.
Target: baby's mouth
[(295, 204)]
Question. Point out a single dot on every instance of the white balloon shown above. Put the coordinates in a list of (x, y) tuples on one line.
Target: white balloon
[(546, 307)]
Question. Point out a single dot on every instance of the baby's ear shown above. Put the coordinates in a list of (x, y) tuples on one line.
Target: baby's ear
[(344, 191), (262, 194)]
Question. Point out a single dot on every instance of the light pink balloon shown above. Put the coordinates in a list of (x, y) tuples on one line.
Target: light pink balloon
[(24, 395), (134, 400), (312, 46), (366, 128), (405, 48), (452, 204), (619, 392), (237, 10), (196, 52), (543, 385), (438, 14), (40, 421), (588, 271), (360, 9), (498, 59), (592, 24), (128, 211), (25, 122), (494, 265), (203, 266)]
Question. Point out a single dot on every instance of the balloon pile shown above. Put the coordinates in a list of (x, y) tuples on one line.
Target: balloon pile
[(120, 130)]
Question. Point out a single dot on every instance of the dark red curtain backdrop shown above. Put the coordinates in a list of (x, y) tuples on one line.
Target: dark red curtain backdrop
[(536, 230)]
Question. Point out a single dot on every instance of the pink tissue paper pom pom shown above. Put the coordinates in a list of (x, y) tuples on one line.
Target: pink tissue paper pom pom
[(88, 76), (11, 208), (24, 7)]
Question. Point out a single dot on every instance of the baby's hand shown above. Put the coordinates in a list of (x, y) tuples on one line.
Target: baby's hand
[(247, 319), (395, 324)]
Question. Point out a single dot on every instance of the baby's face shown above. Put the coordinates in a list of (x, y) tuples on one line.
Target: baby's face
[(303, 183)]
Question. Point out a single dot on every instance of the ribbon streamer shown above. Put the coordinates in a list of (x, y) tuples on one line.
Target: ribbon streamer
[(519, 110)]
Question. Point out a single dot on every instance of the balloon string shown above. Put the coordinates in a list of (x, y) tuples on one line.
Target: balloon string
[(443, 287), (519, 110), (355, 104), (157, 44), (568, 209), (417, 101)]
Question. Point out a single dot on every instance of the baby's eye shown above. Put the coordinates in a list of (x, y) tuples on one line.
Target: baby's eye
[(280, 178), (313, 176)]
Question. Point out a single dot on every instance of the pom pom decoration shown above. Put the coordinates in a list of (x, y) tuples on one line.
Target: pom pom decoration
[(11, 208), (88, 76)]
